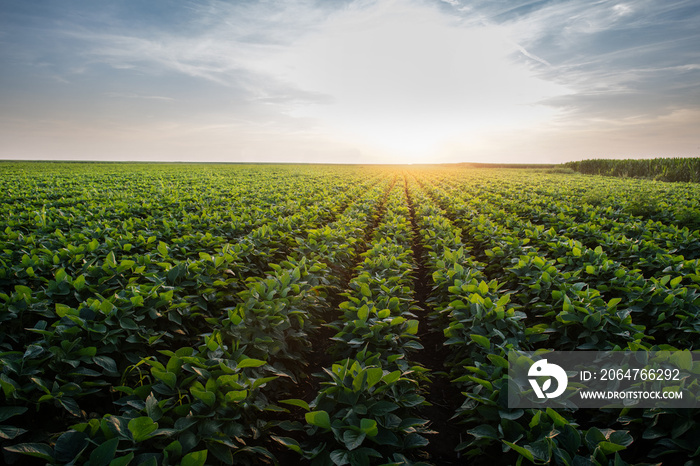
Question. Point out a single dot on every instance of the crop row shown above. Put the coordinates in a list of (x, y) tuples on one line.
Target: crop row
[(127, 304), (365, 412), (551, 271), (155, 315), (628, 201), (481, 326), (541, 303), (628, 235), (211, 392), (32, 255), (667, 169)]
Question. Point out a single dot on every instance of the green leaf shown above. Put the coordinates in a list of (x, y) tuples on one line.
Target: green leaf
[(196, 458), (682, 359), (353, 439), (296, 402), (123, 460), (69, 445), (236, 396), (207, 397), (117, 424), (106, 308), (369, 427), (391, 377), (106, 363), (363, 313), (621, 437), (70, 405), (484, 431), (289, 443), (481, 340), (511, 414), (374, 375), (173, 274), (152, 409), (261, 381), (163, 249), (398, 320), (8, 385), (168, 378), (250, 363), (10, 432), (364, 290), (88, 351), (174, 364), (340, 457), (613, 302), (498, 361), (212, 343), (558, 419), (609, 447), (142, 428), (37, 450), (125, 264), (128, 324), (593, 437), (412, 327), (380, 408), (62, 310), (92, 245), (414, 440), (318, 418), (104, 453), (6, 412), (79, 283), (522, 451), (25, 292), (32, 351)]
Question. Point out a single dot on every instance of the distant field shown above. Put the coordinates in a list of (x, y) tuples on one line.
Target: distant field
[(686, 169), (320, 314)]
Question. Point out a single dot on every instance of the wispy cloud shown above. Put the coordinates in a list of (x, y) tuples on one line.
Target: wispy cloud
[(531, 55), (126, 95), (406, 76), (607, 51)]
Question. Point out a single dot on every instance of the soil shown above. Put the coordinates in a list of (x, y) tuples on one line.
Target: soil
[(443, 396)]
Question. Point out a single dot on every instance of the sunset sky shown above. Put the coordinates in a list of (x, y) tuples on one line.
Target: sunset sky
[(411, 81)]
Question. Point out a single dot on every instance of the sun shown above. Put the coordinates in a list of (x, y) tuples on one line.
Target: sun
[(408, 80)]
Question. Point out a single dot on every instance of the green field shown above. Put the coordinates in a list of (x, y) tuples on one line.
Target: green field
[(190, 314)]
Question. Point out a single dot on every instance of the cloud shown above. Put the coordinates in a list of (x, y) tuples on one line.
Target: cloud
[(404, 76), (397, 79), (643, 49), (219, 42), (126, 95)]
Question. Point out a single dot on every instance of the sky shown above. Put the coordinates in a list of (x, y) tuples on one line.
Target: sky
[(363, 81)]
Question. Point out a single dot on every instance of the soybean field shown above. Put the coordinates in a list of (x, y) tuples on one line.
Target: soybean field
[(191, 314)]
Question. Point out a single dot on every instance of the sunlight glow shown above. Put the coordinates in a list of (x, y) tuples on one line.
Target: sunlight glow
[(406, 79)]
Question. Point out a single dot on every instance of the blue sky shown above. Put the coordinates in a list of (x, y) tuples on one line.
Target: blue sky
[(349, 81)]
